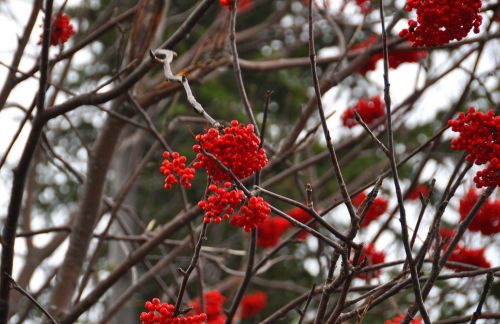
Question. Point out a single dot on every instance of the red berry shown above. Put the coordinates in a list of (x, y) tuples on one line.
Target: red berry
[(377, 209), (252, 304), (372, 257), (174, 168), (237, 147), (61, 31), (441, 21), (480, 138), (368, 109)]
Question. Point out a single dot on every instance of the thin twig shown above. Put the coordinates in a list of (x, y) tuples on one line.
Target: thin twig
[(331, 149), (482, 299), (392, 160), (246, 280), (373, 136), (21, 171), (26, 294), (166, 57), (425, 202), (308, 301), (187, 273), (237, 69)]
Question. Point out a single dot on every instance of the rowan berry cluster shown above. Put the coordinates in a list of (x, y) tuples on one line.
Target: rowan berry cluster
[(236, 148), (214, 301), (252, 304), (221, 202), (372, 257), (419, 189), (473, 257), (441, 21), (270, 230), (487, 219), (61, 30), (174, 167), (461, 254), (228, 3), (399, 318), (301, 216), (162, 313), (368, 109), (377, 209), (252, 214), (395, 57), (480, 138), (364, 5)]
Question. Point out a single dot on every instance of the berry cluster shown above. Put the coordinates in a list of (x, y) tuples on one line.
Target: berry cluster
[(399, 318), (302, 216), (377, 209), (419, 189), (473, 257), (487, 219), (461, 254), (251, 215), (270, 230), (61, 31), (176, 167), (237, 148), (252, 304), (372, 257), (441, 21), (221, 202), (213, 307), (364, 5), (395, 57), (490, 176), (228, 3), (368, 109), (162, 313), (480, 138)]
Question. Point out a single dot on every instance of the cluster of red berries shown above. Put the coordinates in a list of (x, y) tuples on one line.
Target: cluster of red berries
[(377, 209), (480, 138), (252, 214), (301, 216), (364, 5), (419, 189), (441, 21), (228, 3), (214, 301), (487, 219), (61, 31), (399, 318), (176, 169), (236, 148), (490, 176), (473, 257), (221, 202), (368, 109), (395, 57), (461, 254), (252, 304), (372, 257), (162, 313), (270, 230)]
